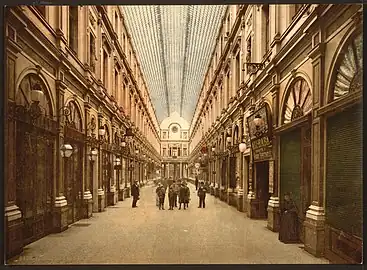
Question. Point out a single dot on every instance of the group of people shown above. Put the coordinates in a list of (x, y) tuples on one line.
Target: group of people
[(179, 192)]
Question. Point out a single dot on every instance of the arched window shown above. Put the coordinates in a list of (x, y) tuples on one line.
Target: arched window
[(24, 95), (348, 74), (298, 101), (73, 116)]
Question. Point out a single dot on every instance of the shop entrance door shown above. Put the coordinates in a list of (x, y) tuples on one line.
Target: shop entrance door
[(262, 187)]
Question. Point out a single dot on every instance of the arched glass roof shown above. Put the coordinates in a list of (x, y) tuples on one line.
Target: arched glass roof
[(174, 45)]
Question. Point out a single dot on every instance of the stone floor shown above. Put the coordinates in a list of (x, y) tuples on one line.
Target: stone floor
[(145, 235)]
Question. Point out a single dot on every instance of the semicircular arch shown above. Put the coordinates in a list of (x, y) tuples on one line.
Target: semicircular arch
[(25, 78), (297, 99)]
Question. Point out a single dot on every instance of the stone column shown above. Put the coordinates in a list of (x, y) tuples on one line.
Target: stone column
[(88, 198), (60, 218), (273, 204), (13, 216), (100, 193), (315, 215)]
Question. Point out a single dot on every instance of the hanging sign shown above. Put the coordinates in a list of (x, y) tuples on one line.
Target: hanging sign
[(260, 126)]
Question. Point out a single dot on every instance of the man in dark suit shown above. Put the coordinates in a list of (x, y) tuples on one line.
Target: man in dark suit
[(202, 193), (196, 183), (135, 193)]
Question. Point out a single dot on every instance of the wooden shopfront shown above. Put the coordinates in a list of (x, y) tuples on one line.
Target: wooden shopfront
[(344, 157), (34, 157), (107, 169), (295, 149), (260, 132), (74, 165)]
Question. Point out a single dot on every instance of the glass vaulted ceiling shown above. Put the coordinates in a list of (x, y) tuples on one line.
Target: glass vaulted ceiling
[(174, 45)]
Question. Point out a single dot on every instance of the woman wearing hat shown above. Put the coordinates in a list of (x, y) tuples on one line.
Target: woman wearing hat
[(288, 232)]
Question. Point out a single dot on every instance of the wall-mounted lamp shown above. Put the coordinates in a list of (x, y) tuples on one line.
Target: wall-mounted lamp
[(242, 147), (93, 154), (213, 149), (101, 131), (117, 161), (258, 121), (66, 150)]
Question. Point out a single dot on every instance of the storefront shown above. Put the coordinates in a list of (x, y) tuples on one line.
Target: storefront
[(260, 132), (73, 168), (33, 153), (107, 169), (295, 149), (344, 166)]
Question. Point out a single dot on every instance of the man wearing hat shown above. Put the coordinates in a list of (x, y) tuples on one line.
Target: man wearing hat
[(135, 193), (202, 193)]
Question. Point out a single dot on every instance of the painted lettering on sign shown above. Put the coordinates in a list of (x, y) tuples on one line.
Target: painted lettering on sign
[(260, 134)]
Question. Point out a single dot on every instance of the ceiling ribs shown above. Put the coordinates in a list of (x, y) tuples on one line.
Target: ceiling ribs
[(162, 53), (184, 70)]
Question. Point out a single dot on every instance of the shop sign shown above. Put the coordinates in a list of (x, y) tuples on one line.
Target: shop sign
[(260, 134)]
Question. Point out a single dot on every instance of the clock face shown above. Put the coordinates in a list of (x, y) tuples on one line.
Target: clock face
[(174, 129)]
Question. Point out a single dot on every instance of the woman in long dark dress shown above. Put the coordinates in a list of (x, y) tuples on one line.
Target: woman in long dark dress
[(288, 232)]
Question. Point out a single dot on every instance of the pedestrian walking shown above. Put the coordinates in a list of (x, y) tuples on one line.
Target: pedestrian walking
[(202, 193), (135, 193), (196, 183), (161, 195), (171, 197)]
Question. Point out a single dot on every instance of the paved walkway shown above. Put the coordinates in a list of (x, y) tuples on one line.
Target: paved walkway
[(145, 235)]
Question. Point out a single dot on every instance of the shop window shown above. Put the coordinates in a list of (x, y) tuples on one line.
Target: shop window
[(73, 28)]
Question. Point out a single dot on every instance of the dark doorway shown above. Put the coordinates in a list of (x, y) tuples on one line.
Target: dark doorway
[(262, 187), (232, 172), (223, 173)]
